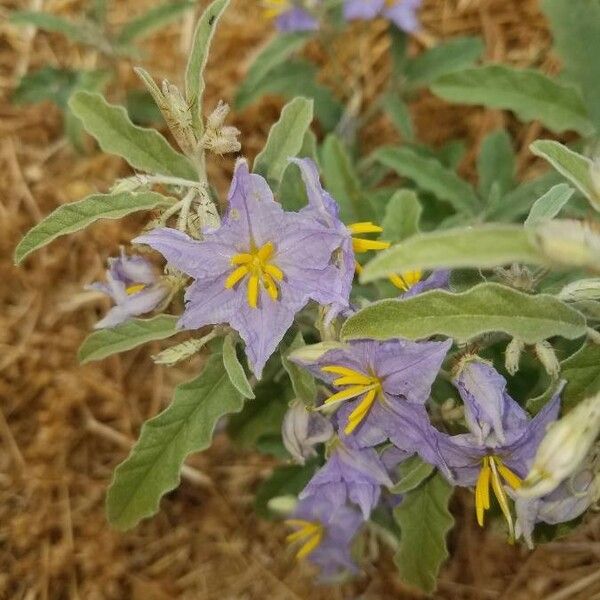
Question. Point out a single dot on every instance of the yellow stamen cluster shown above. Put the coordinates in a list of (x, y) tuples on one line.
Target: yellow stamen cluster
[(256, 266), (406, 280), (308, 534), (135, 288), (355, 384), (493, 471), (273, 8)]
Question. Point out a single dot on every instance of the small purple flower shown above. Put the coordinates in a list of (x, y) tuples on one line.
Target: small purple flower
[(302, 430), (133, 284), (257, 270), (412, 283), (323, 534), (291, 15), (403, 13), (350, 474)]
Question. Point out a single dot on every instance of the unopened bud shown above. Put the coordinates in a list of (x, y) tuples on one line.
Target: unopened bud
[(581, 290), (313, 352), (564, 447), (546, 355), (512, 355), (302, 429), (216, 119), (218, 138)]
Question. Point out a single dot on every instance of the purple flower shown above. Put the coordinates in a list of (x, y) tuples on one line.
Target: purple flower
[(403, 13), (350, 474), (257, 270), (323, 534), (290, 15), (302, 430), (412, 283), (133, 285), (502, 439)]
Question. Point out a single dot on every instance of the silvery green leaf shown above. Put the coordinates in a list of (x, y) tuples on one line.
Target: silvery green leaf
[(531, 95), (143, 149), (549, 205), (194, 72), (398, 112), (430, 175), (74, 216), (402, 216), (128, 335), (234, 369), (153, 467), (576, 168), (485, 308), (496, 164), (303, 383), (285, 140), (484, 246)]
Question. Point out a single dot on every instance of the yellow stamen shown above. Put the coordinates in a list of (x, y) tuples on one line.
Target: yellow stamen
[(359, 413), (350, 392), (363, 245), (253, 291), (365, 227), (242, 259), (513, 480), (352, 380), (309, 535), (134, 288), (339, 370), (270, 287), (274, 272), (234, 277), (265, 252), (482, 491), (406, 280)]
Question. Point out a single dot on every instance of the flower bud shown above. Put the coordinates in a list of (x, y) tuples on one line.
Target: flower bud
[(218, 138), (512, 355), (302, 430), (563, 449), (546, 355), (216, 119), (313, 352)]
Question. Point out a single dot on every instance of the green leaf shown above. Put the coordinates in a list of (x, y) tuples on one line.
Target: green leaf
[(582, 372), (81, 32), (496, 163), (446, 57), (485, 308), (342, 181), (234, 369), (275, 53), (412, 473), (153, 19), (153, 467), (424, 521), (530, 94), (484, 246), (303, 383), (285, 140), (143, 149), (576, 30), (74, 216), (402, 216), (430, 175), (128, 335), (549, 205), (399, 113), (575, 167), (194, 72)]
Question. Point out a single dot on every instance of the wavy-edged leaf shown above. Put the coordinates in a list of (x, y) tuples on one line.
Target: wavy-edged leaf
[(575, 167), (582, 373), (485, 308), (234, 369), (303, 384), (128, 335), (285, 140), (74, 216), (194, 71), (142, 148), (549, 205), (430, 175), (531, 95), (153, 467), (402, 216), (485, 246), (424, 521)]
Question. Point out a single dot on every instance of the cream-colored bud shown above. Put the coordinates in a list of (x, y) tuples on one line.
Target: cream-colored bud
[(512, 355), (546, 355), (216, 119), (313, 352), (581, 290), (565, 445)]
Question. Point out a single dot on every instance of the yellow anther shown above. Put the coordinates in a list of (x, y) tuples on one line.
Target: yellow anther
[(135, 288), (339, 370), (242, 259), (274, 272), (309, 535), (407, 280), (361, 411), (253, 291), (365, 227), (234, 277), (362, 245), (266, 252)]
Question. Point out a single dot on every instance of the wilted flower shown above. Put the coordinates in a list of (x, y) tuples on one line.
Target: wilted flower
[(257, 270), (323, 534), (133, 284), (302, 430), (403, 13), (350, 474), (292, 15)]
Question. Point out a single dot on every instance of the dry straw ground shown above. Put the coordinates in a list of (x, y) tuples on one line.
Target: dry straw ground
[(63, 428)]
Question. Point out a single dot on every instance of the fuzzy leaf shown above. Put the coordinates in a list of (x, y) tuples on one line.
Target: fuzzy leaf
[(582, 372), (128, 335), (485, 246), (285, 139), (402, 216), (143, 149), (575, 167), (194, 71), (398, 111), (496, 163), (234, 369), (430, 175), (424, 521), (485, 308), (74, 216), (549, 205), (412, 473), (303, 383), (153, 467), (531, 95)]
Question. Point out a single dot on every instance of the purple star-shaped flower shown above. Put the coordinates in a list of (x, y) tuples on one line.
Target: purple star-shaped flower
[(257, 270), (403, 13), (133, 284), (350, 474)]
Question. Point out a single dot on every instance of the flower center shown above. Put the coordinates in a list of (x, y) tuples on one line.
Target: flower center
[(493, 471), (273, 8), (134, 288), (354, 384), (256, 266), (308, 535)]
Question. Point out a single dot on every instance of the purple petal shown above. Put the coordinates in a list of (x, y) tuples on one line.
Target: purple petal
[(436, 281), (296, 19), (404, 15), (362, 9)]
